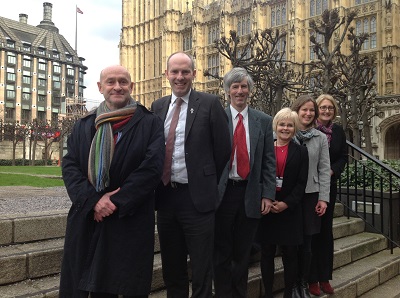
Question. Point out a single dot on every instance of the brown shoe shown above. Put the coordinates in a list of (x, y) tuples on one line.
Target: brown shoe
[(326, 287)]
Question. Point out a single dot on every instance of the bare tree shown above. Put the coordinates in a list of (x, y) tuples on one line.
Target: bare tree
[(348, 77), (263, 55), (65, 126), (357, 84), (328, 26)]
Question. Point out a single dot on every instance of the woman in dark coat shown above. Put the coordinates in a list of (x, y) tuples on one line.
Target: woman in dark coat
[(316, 196), (322, 263), (283, 225), (113, 254)]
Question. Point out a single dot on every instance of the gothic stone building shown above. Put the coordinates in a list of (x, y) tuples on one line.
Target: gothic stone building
[(154, 29)]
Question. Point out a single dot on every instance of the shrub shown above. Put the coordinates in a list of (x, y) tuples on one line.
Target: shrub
[(371, 176), (18, 162)]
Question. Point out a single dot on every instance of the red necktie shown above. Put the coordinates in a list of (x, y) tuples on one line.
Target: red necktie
[(169, 145), (239, 145)]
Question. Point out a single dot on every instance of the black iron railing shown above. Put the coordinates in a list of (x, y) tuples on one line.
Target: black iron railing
[(370, 189)]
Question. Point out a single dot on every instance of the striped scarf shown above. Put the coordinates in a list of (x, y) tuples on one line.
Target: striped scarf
[(102, 148)]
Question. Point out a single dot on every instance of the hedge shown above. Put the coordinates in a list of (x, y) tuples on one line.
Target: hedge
[(18, 162)]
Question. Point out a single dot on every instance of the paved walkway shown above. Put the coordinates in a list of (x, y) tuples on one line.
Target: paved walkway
[(27, 199)]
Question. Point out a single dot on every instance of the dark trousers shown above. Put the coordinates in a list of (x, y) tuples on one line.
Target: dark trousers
[(183, 230), (304, 258), (322, 244), (289, 258), (234, 235), (105, 295)]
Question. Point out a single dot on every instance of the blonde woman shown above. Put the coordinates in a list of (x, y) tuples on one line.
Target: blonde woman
[(283, 225), (322, 243)]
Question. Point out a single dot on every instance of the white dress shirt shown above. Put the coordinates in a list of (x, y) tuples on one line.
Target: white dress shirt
[(178, 167), (235, 119)]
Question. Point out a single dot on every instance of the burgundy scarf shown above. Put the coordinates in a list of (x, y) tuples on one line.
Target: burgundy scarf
[(325, 129)]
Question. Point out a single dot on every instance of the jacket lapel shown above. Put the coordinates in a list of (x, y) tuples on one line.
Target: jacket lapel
[(254, 132), (230, 124), (291, 150), (164, 107), (193, 107)]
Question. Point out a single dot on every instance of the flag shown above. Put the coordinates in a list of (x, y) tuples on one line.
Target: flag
[(78, 10)]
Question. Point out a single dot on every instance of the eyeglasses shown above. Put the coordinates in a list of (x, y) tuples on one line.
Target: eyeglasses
[(329, 108)]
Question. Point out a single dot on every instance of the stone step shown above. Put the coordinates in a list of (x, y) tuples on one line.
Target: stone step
[(48, 285), (19, 228), (356, 247), (38, 259), (378, 272), (41, 287), (343, 226), (24, 261), (353, 249), (389, 289), (359, 277), (29, 260)]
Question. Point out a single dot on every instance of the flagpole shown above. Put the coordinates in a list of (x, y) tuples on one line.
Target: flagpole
[(76, 29)]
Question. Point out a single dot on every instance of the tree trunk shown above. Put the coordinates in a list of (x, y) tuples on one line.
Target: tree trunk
[(34, 151), (13, 151), (23, 149), (60, 149), (46, 149)]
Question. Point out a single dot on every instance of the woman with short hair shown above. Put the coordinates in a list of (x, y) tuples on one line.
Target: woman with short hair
[(283, 225)]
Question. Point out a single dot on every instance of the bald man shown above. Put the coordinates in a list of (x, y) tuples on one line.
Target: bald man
[(114, 162)]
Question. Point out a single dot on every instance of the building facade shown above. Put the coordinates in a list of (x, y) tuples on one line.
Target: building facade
[(152, 30), (41, 75)]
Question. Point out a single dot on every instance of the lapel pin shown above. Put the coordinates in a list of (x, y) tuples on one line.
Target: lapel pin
[(191, 111)]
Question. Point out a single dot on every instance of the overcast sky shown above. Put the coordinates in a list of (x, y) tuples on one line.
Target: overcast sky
[(99, 29)]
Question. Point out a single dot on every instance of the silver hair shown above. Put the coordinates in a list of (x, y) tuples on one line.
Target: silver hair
[(236, 75)]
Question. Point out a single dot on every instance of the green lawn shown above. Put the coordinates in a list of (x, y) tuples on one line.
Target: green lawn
[(30, 176), (37, 170)]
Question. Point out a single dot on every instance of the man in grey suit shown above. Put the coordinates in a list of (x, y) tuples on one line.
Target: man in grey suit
[(247, 188), (187, 198)]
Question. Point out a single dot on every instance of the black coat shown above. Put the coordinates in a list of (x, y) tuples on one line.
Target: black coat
[(116, 255), (286, 228), (337, 152)]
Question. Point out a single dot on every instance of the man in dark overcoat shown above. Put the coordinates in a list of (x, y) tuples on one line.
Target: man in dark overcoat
[(114, 162)]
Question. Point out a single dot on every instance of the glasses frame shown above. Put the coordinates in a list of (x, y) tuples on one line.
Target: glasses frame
[(329, 108)]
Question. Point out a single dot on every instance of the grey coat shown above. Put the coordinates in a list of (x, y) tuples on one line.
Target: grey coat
[(261, 179), (319, 177)]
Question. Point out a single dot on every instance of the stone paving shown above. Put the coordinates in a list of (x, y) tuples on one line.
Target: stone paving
[(27, 199)]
